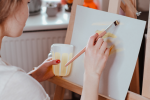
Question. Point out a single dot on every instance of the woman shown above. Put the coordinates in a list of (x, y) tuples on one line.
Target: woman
[(15, 84)]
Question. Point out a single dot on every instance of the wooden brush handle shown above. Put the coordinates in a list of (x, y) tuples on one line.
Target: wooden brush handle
[(101, 35), (76, 56)]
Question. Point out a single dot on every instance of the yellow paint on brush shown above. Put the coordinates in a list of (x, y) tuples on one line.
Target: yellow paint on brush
[(107, 34)]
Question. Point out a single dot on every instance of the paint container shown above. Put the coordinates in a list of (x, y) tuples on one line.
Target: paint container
[(64, 52), (52, 10), (90, 4)]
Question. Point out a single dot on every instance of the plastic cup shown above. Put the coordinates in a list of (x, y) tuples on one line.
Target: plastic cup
[(64, 52)]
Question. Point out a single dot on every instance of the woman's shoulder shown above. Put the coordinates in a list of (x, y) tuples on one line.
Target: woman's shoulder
[(6, 72), (21, 86), (9, 68)]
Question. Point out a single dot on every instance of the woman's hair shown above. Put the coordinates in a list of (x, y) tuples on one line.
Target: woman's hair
[(7, 7)]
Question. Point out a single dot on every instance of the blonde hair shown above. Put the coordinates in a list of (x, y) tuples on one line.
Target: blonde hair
[(7, 7)]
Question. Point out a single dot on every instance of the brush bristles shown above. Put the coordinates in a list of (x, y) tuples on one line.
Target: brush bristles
[(116, 22)]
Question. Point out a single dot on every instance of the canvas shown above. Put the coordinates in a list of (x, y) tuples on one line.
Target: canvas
[(124, 41)]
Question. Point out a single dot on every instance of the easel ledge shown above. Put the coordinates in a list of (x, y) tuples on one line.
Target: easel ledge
[(78, 89), (114, 7)]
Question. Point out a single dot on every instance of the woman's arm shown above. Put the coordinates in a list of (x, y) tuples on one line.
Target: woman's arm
[(90, 87), (94, 63), (44, 71)]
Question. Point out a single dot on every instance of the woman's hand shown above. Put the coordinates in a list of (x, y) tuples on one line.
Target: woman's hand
[(95, 56), (44, 71), (95, 59)]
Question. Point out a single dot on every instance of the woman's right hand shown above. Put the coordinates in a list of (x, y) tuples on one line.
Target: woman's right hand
[(95, 56), (95, 59)]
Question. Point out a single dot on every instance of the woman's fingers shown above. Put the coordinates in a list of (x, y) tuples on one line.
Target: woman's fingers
[(52, 62), (103, 48), (92, 40), (99, 43), (48, 59)]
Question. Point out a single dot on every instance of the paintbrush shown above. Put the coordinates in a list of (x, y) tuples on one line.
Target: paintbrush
[(115, 23)]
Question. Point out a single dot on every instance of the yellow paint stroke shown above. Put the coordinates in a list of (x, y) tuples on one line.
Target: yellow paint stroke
[(110, 49), (107, 34), (117, 42), (109, 41), (116, 50), (99, 32), (104, 24), (114, 42)]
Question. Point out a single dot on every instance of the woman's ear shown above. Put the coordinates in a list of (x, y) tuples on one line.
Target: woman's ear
[(12, 28)]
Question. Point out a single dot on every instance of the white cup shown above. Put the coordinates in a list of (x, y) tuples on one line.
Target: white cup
[(64, 52)]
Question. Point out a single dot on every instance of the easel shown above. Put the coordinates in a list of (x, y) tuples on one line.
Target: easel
[(114, 6)]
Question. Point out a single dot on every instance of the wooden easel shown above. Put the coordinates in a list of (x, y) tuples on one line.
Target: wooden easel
[(62, 84)]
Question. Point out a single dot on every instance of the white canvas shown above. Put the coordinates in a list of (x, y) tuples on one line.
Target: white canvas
[(116, 77)]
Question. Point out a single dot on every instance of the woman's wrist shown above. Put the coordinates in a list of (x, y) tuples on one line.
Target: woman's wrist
[(91, 78), (92, 75), (90, 86), (33, 74)]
